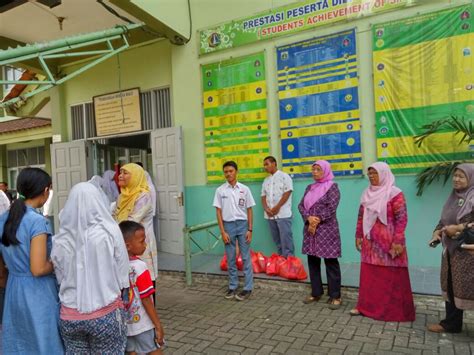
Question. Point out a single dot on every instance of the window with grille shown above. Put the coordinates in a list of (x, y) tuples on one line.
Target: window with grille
[(155, 109), (19, 159), (10, 73), (25, 157)]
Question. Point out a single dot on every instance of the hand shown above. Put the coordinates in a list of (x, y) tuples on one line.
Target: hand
[(269, 212), (275, 210), (396, 250), (470, 225), (248, 237), (159, 335), (451, 230), (312, 229), (313, 220), (359, 244), (225, 238)]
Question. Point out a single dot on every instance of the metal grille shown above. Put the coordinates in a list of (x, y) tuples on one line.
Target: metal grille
[(25, 157), (77, 122), (155, 109), (90, 120)]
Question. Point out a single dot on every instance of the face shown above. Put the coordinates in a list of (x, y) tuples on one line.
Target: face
[(230, 174), (374, 177), (124, 178), (137, 245), (269, 166), (317, 171), (460, 181), (43, 197), (3, 187)]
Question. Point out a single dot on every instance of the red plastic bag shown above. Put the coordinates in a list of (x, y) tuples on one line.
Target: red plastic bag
[(273, 264), (293, 269), (259, 262), (240, 262), (224, 263)]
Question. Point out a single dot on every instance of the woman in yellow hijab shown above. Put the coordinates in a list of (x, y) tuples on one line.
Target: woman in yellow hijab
[(135, 203)]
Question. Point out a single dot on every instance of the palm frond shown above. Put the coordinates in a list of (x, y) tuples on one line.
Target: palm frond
[(460, 125), (434, 173)]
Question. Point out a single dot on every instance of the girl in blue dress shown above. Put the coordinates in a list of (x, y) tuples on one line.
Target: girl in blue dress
[(31, 314)]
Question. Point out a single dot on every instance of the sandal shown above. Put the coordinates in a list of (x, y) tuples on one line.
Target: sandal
[(311, 299), (354, 312), (335, 303)]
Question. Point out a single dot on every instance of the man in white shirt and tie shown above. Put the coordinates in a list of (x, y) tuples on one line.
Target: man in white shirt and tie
[(276, 201)]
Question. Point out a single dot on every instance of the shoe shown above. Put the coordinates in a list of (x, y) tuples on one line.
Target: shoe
[(311, 299), (243, 295), (335, 303), (354, 312), (436, 328), (229, 294)]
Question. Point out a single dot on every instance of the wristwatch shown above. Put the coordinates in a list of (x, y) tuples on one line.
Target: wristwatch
[(249, 230)]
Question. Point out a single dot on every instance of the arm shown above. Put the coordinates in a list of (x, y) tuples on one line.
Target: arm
[(400, 217), (333, 196), (149, 307), (282, 201), (248, 235), (265, 206), (143, 207), (359, 229), (3, 273), (220, 222), (121, 260), (39, 263), (301, 209), (4, 202)]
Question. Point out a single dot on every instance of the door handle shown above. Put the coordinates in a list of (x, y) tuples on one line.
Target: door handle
[(179, 199)]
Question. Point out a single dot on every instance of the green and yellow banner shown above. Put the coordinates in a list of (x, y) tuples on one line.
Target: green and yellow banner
[(235, 116), (290, 19), (423, 71)]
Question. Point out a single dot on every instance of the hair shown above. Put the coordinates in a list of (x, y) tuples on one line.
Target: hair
[(139, 163), (31, 183), (271, 158), (230, 163), (129, 228)]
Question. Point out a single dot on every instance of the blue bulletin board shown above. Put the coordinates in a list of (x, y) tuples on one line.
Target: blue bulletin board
[(319, 104)]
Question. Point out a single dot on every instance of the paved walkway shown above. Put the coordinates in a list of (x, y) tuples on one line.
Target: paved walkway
[(198, 320)]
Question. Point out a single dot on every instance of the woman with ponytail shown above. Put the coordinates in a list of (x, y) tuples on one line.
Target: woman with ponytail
[(31, 314)]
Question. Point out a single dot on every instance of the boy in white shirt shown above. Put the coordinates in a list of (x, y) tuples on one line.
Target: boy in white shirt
[(233, 202), (144, 330)]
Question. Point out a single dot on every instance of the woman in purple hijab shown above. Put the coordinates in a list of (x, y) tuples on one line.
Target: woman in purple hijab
[(321, 237), (457, 264)]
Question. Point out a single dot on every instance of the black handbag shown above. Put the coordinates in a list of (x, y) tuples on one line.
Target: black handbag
[(466, 236)]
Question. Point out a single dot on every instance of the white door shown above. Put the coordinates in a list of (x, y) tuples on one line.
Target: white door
[(167, 157), (70, 163)]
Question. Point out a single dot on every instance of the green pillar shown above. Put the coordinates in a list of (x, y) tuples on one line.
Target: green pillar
[(58, 113)]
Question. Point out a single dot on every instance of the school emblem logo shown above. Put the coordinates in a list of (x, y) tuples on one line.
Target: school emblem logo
[(214, 39)]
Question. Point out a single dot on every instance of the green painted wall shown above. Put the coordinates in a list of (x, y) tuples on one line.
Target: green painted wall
[(423, 215), (162, 64)]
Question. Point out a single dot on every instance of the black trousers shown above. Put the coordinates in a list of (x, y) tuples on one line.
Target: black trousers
[(454, 316), (333, 274)]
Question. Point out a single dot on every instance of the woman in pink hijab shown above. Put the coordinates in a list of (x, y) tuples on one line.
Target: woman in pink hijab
[(321, 237), (385, 290)]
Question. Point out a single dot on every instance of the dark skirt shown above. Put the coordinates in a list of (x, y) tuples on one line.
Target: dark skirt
[(385, 293)]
